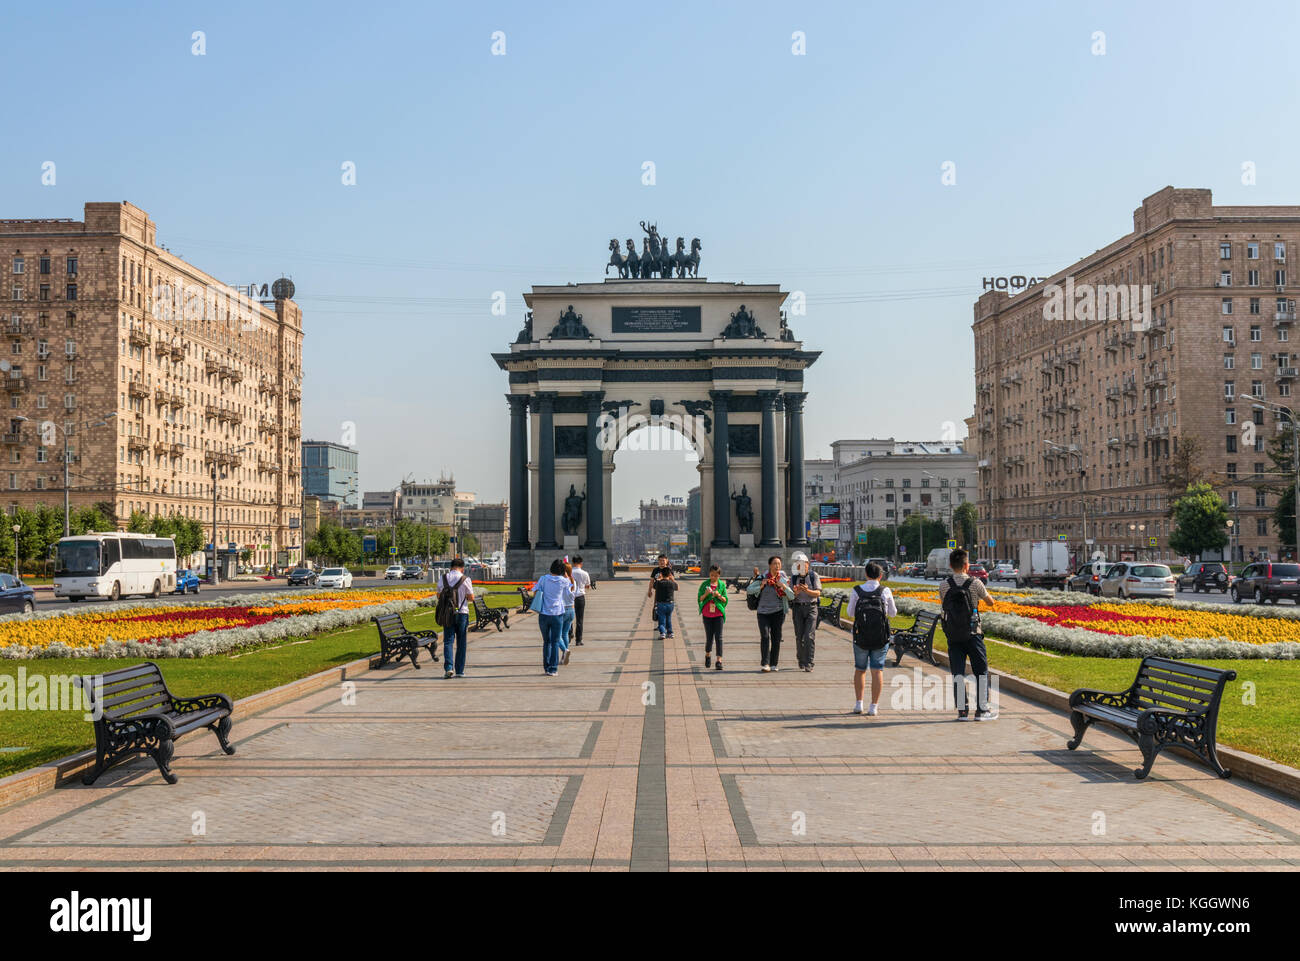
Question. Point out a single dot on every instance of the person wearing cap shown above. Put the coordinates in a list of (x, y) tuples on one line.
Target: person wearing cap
[(807, 587)]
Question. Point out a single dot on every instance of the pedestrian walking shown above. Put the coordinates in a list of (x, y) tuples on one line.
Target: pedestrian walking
[(454, 594), (771, 595), (807, 587), (959, 597), (566, 627), (663, 586), (550, 597), (581, 585), (712, 598), (871, 605)]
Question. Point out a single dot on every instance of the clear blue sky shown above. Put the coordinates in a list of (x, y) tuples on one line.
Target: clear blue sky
[(478, 173)]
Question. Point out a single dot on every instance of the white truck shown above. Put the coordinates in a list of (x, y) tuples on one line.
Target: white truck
[(1043, 564), (936, 564)]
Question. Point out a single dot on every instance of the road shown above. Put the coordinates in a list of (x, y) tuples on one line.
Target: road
[(46, 601)]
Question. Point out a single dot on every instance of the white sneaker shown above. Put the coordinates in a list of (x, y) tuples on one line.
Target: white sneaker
[(986, 715), (857, 707), (765, 669), (775, 668), (871, 711)]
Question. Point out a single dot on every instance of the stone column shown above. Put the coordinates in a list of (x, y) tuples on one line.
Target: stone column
[(794, 483), (721, 488), (767, 398), (546, 472), (518, 472), (595, 473)]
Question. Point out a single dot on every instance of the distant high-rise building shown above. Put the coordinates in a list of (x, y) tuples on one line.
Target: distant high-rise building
[(329, 471)]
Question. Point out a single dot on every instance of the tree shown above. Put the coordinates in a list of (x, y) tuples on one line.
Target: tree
[(919, 531), (470, 544), (140, 523), (1284, 518), (1186, 469), (1200, 521), (964, 517)]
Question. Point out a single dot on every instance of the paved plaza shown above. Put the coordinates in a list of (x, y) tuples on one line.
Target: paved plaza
[(636, 757)]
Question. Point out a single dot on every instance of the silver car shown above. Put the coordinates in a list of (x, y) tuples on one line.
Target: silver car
[(1135, 579)]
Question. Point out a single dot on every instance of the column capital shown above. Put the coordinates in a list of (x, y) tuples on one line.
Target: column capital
[(518, 403), (594, 397), (769, 398), (720, 397), (794, 401), (545, 398)]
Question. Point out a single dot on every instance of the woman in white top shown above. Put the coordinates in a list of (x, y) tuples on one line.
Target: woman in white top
[(556, 593)]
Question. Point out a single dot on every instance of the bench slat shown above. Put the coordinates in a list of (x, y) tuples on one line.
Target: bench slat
[(127, 673), (117, 712), (1198, 683), (1174, 690), (1184, 667), (1173, 694), (1146, 699)]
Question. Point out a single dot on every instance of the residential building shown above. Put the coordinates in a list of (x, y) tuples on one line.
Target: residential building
[(329, 471)]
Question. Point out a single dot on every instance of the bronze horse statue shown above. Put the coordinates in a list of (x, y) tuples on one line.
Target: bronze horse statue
[(691, 261), (616, 260), (632, 260)]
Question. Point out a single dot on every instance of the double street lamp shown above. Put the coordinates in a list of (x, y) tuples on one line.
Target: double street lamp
[(51, 427)]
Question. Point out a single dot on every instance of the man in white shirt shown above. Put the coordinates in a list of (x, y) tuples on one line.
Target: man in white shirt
[(454, 632), (865, 659), (581, 583)]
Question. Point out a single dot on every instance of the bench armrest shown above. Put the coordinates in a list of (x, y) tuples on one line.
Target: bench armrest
[(188, 705), (1088, 695), (143, 726)]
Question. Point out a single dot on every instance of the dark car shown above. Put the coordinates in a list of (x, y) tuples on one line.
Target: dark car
[(187, 582), (411, 572), (978, 571), (1267, 581), (1205, 576), (1086, 579), (15, 595), (301, 575)]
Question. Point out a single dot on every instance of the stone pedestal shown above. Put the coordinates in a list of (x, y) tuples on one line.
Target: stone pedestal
[(530, 565), (746, 540), (519, 564), (570, 545), (741, 561)]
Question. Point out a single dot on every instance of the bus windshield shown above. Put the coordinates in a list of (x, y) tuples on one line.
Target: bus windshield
[(78, 559)]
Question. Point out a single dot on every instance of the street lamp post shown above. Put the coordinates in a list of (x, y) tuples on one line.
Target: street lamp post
[(17, 528)]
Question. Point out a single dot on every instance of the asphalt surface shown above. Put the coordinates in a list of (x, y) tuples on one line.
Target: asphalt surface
[(1214, 599)]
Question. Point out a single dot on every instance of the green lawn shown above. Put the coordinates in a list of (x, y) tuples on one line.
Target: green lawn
[(43, 736), (1268, 727)]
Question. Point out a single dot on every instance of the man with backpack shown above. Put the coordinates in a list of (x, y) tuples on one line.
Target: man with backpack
[(452, 612), (870, 607), (959, 596)]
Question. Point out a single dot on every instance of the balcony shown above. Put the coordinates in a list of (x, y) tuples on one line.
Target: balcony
[(1073, 356), (295, 395), (15, 382), (1128, 338), (1130, 386), (159, 448), (1113, 393), (234, 375), (294, 433), (18, 330), (1111, 343), (1010, 379), (222, 458), (1131, 440), (137, 337), (1286, 373), (1115, 442), (267, 467), (1157, 379), (137, 389), (15, 438), (986, 427), (1157, 431), (161, 347), (137, 443)]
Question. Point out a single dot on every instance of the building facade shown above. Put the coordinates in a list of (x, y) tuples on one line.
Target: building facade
[(881, 482), (329, 471), (173, 392), (378, 509), (661, 523), (1081, 412), (487, 522)]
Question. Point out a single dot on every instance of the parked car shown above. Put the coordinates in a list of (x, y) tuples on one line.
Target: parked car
[(978, 571), (339, 577), (1135, 579), (302, 575), (394, 572), (1205, 576), (187, 582), (1087, 579), (411, 572), (15, 595), (1267, 581), (1004, 571)]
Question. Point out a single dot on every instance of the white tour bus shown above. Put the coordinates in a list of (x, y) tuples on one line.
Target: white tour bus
[(113, 565)]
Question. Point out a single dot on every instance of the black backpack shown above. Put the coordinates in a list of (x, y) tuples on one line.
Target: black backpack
[(961, 615), (870, 622), (448, 605)]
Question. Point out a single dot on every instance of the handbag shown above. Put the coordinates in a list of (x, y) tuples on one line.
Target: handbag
[(538, 599)]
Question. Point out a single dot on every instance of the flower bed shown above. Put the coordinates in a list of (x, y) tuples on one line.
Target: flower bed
[(143, 629), (1108, 627)]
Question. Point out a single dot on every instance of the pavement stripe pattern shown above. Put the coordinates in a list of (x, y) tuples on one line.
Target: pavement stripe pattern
[(637, 758)]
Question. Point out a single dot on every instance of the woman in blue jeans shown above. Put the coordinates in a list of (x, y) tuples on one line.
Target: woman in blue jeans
[(553, 593)]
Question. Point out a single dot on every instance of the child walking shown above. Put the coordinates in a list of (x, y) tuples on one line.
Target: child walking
[(712, 598)]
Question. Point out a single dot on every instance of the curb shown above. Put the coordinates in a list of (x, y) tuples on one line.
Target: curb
[(28, 784), (1243, 765)]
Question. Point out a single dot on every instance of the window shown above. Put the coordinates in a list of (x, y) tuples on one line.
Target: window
[(1229, 361), (1261, 526), (1225, 305), (1256, 361), (1257, 388), (1225, 250), (1225, 278), (1252, 250), (1229, 335), (1230, 415), (1252, 278), (19, 265), (1279, 251), (1254, 305), (72, 266), (45, 292), (40, 455), (72, 291), (1261, 499), (1279, 278), (1255, 335), (1232, 470), (44, 265), (1232, 498), (1232, 443)]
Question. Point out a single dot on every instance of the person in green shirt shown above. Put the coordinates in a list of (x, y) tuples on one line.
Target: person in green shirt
[(712, 598)]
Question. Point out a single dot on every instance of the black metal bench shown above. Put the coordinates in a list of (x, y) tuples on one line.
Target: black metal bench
[(525, 600), (484, 615), (1170, 704), (829, 612), (136, 715), (396, 642), (740, 584), (917, 639)]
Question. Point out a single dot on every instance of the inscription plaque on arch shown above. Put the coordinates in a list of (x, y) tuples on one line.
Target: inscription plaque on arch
[(656, 320)]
